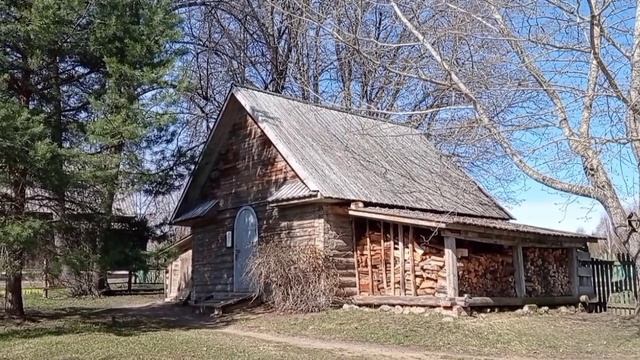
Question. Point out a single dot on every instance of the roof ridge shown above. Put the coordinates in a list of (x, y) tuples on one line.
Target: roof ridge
[(327, 106), (448, 161)]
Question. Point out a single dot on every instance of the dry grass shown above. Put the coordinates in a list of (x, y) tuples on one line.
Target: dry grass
[(585, 336), (294, 279)]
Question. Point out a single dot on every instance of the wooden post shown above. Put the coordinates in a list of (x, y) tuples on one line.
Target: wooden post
[(518, 265), (369, 267), (355, 254), (384, 265), (45, 291), (393, 260), (129, 279), (451, 266), (412, 269), (402, 261), (573, 270)]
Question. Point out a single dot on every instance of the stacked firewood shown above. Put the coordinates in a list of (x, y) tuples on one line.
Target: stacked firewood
[(428, 262), (546, 272), (431, 276), (487, 274), (376, 264)]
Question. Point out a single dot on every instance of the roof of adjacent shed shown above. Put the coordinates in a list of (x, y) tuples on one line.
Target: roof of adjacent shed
[(499, 224), (346, 156), (292, 190)]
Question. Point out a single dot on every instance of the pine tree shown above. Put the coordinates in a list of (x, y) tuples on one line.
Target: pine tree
[(25, 154), (133, 38), (83, 89)]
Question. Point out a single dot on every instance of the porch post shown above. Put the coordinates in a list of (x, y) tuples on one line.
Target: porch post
[(518, 265), (355, 254), (573, 270), (451, 266)]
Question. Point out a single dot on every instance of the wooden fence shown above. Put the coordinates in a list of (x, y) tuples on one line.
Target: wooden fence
[(616, 285), (35, 281)]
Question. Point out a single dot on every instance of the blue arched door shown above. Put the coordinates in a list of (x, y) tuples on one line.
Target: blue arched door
[(245, 238)]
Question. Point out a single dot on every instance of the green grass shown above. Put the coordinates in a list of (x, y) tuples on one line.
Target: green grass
[(102, 328), (83, 343), (86, 328), (502, 334), (59, 300)]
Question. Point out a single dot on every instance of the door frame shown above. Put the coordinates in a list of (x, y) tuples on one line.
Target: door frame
[(235, 243)]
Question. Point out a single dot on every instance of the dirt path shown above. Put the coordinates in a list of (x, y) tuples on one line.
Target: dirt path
[(352, 348)]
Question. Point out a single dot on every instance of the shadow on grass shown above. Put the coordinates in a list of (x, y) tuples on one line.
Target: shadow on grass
[(127, 321)]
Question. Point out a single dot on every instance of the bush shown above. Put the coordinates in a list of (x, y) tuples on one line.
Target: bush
[(293, 278)]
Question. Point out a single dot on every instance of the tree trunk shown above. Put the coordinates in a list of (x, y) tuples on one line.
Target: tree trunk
[(13, 303)]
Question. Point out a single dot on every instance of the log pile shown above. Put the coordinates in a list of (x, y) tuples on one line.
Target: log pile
[(376, 264), (487, 274), (546, 272), (430, 274)]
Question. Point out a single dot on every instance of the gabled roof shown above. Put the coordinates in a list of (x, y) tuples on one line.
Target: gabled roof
[(341, 155)]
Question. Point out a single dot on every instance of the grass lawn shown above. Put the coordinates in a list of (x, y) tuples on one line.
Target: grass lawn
[(138, 327), (98, 328), (498, 334)]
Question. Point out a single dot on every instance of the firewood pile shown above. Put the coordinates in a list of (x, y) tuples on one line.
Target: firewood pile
[(376, 264), (429, 270), (487, 274), (431, 276), (546, 272)]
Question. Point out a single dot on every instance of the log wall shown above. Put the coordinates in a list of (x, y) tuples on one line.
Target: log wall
[(338, 242)]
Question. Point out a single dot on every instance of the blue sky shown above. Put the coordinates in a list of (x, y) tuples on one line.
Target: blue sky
[(545, 207)]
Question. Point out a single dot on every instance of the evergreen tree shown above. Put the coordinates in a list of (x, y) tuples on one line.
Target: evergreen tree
[(83, 103), (131, 116)]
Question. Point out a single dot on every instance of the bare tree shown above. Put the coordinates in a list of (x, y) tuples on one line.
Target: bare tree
[(548, 88)]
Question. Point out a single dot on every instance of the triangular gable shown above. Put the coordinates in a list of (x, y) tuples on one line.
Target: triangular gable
[(191, 203)]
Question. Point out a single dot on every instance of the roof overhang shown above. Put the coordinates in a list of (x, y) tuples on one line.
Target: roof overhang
[(181, 245), (200, 211), (493, 231)]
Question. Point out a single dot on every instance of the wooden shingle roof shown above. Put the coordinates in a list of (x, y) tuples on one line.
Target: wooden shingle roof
[(342, 155)]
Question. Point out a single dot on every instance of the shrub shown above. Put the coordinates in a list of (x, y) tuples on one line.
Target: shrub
[(293, 278)]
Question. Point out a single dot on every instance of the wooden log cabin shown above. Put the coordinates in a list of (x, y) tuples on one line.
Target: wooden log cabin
[(403, 223)]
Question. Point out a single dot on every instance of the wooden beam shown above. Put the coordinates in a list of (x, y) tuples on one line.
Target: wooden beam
[(573, 271), (514, 301), (507, 241), (451, 266), (412, 269), (396, 219), (487, 230), (355, 254), (384, 265), (400, 300), (518, 234), (369, 267), (518, 266), (402, 261), (393, 259)]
